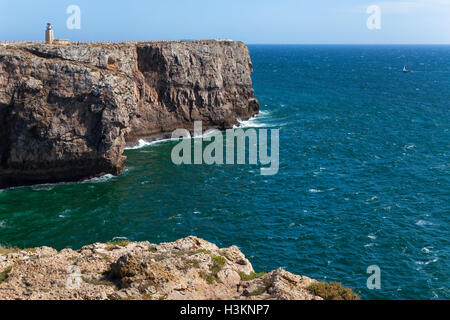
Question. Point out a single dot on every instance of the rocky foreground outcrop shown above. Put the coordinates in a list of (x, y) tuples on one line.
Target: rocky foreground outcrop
[(189, 268), (67, 112)]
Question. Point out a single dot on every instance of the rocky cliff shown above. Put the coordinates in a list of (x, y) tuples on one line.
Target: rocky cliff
[(67, 112), (190, 268)]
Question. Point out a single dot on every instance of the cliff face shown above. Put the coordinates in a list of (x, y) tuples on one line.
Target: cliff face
[(189, 268), (67, 112)]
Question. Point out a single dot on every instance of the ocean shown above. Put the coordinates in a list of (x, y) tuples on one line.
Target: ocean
[(363, 180)]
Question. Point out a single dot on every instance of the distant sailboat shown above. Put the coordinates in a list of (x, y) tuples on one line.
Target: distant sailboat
[(405, 70)]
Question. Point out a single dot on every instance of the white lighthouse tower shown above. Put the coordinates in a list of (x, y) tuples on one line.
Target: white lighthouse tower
[(49, 35)]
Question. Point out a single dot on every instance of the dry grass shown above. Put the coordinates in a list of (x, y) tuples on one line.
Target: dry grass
[(7, 250), (117, 243)]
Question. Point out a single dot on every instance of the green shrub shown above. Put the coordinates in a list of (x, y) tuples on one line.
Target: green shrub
[(218, 264), (205, 251), (332, 291), (258, 291), (194, 262), (208, 277), (121, 243), (251, 276), (5, 273)]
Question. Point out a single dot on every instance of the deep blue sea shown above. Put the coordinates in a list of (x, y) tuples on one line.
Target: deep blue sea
[(364, 177)]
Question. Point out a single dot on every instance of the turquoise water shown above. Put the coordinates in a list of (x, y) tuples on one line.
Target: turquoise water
[(363, 179)]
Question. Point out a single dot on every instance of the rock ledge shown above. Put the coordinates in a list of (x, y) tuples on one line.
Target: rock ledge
[(189, 268)]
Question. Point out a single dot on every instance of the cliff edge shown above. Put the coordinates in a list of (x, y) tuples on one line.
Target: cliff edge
[(67, 112), (188, 269)]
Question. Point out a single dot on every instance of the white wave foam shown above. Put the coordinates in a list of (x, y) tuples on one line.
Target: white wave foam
[(2, 224), (101, 179), (424, 223), (64, 213), (255, 121), (409, 146), (51, 186), (426, 250), (371, 236), (143, 143), (315, 190), (119, 239), (427, 262), (250, 123), (43, 187)]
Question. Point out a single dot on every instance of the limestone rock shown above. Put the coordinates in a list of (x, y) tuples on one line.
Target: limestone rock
[(189, 268), (67, 112)]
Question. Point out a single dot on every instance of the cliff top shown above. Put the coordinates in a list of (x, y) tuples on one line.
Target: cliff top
[(189, 268), (111, 43), (67, 111)]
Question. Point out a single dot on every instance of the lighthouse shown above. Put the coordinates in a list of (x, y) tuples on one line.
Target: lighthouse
[(49, 35)]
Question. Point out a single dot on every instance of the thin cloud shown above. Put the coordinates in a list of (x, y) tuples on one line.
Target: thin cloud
[(412, 5)]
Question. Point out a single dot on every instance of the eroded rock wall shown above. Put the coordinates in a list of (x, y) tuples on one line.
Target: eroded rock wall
[(67, 112)]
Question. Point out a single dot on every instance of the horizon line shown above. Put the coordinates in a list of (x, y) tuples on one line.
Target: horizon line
[(351, 43), (260, 43)]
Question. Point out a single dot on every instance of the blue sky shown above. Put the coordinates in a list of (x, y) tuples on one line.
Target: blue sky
[(251, 21)]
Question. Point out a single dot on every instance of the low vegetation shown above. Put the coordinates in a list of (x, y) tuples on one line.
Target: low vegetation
[(98, 282), (208, 277), (205, 251), (218, 262), (194, 263), (253, 275), (258, 291), (104, 257), (332, 291), (7, 250), (116, 243), (5, 273), (4, 250)]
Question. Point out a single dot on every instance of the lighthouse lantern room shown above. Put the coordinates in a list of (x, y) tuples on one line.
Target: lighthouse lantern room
[(49, 35)]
